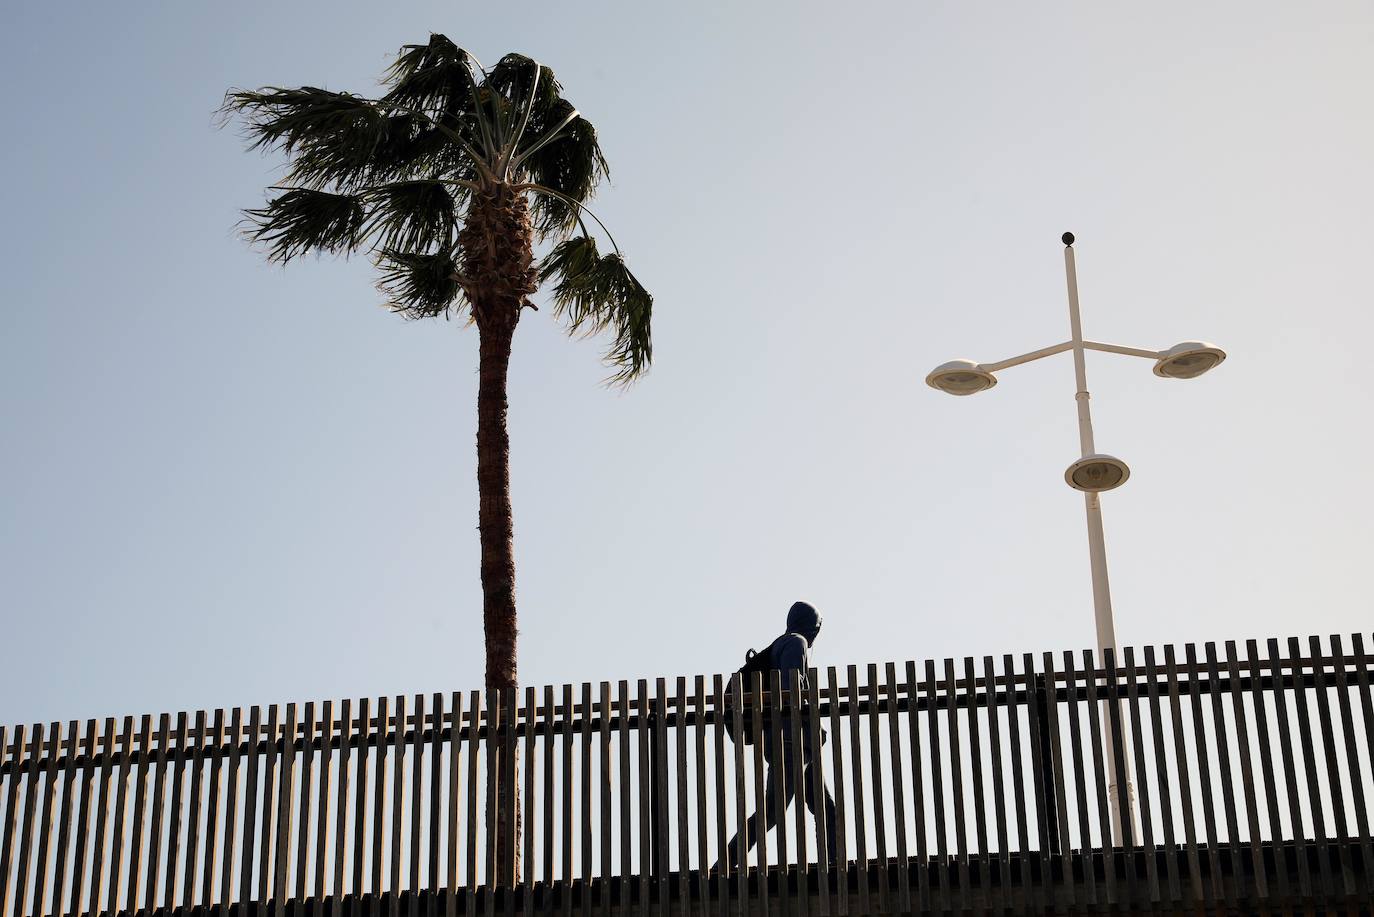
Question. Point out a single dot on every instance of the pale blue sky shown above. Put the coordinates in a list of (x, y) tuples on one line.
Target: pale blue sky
[(227, 483)]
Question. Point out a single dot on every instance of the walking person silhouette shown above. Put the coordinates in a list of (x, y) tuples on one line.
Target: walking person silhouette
[(789, 652)]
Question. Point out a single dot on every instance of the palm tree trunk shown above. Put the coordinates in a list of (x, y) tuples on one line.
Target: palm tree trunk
[(498, 577)]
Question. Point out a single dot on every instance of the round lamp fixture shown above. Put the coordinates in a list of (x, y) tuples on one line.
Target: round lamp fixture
[(1095, 473), (960, 377), (1188, 360)]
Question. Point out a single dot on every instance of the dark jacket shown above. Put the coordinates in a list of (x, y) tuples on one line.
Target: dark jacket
[(793, 649)]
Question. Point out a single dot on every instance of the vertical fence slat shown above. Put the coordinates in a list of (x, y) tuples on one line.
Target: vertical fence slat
[(1018, 780), (1266, 754), (1080, 790), (568, 724), (604, 824), (975, 749), (455, 780), (999, 792), (1038, 741), (360, 799), (898, 786), (937, 783), (137, 831), (550, 801), (219, 870), (823, 817), (1352, 755), (1118, 758), (250, 807), (1185, 788), (44, 826), (1290, 777), (1166, 807), (857, 782), (646, 796), (837, 766), (1333, 768), (777, 781), (1056, 769), (324, 798), (83, 818), (155, 828), (62, 847), (1213, 888), (624, 756), (415, 853), (684, 847), (34, 764), (209, 740), (114, 892), (760, 825), (703, 832), (1247, 773), (796, 779), (398, 802), (585, 836), (1142, 774), (434, 847), (723, 872), (509, 854), (305, 825), (343, 763), (918, 797), (875, 753), (174, 813), (530, 815), (956, 782), (1228, 791), (281, 856), (740, 864), (383, 734), (269, 803), (1314, 798), (1095, 734), (474, 746)]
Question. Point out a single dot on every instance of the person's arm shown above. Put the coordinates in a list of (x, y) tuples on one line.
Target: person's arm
[(791, 653)]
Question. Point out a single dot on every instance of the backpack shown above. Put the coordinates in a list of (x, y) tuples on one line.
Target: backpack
[(754, 661)]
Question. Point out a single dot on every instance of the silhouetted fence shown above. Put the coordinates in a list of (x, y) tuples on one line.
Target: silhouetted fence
[(957, 785)]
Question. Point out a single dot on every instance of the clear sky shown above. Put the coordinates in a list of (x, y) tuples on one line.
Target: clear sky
[(226, 482)]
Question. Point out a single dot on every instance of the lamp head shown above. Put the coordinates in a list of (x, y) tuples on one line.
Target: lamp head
[(1097, 473), (1188, 360), (960, 377)]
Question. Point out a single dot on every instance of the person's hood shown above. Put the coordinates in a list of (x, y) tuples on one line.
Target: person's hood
[(803, 619)]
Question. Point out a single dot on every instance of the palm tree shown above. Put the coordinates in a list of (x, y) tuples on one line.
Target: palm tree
[(449, 181)]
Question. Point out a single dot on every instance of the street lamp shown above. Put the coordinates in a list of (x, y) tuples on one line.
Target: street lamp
[(1093, 473)]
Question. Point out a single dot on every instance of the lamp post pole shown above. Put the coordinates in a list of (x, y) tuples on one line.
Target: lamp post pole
[(1097, 545), (1093, 473)]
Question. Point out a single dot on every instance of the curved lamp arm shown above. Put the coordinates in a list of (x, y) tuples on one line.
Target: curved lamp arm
[(1068, 345)]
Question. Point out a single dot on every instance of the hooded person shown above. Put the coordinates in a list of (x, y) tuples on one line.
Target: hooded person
[(790, 652)]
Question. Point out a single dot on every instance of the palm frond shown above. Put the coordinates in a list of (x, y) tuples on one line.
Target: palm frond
[(336, 137), (595, 293), (419, 285), (305, 219), (436, 77), (572, 164), (414, 215)]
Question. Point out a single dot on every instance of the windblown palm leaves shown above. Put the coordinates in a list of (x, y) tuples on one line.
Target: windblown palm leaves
[(449, 159)]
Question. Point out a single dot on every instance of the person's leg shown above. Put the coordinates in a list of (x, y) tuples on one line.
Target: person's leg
[(747, 835), (828, 802)]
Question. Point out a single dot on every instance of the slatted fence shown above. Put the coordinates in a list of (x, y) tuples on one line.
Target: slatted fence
[(971, 784)]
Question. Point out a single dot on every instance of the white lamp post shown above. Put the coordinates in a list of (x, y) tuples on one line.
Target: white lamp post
[(1093, 473)]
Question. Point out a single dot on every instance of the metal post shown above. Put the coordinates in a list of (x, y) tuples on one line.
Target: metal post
[(1097, 547)]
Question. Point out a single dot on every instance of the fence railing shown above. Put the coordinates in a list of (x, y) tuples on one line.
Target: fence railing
[(959, 784)]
